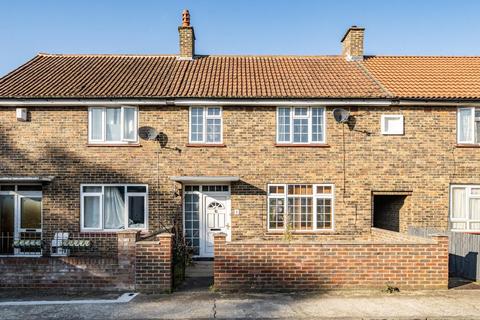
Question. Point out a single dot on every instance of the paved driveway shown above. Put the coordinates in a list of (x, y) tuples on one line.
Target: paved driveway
[(459, 304)]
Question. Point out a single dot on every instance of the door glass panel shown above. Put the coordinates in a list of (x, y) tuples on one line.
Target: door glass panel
[(136, 211), (30, 213), (192, 224), (6, 224)]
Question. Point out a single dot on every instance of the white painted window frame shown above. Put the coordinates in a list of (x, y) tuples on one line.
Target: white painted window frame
[(309, 116), (383, 126), (204, 122), (315, 196), (104, 126), (472, 125), (468, 195), (101, 195)]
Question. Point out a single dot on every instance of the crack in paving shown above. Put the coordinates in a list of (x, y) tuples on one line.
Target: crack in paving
[(214, 308)]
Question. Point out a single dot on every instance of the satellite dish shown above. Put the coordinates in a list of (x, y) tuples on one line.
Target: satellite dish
[(147, 133), (341, 115)]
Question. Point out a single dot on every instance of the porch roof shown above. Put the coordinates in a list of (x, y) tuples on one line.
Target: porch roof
[(204, 179), (20, 179)]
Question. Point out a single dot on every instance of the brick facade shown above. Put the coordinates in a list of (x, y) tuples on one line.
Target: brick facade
[(384, 260), (54, 142)]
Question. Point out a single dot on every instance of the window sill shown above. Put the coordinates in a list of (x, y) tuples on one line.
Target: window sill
[(302, 145), (205, 145), (133, 145), (467, 145)]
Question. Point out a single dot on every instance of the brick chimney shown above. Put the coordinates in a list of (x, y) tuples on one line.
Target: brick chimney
[(352, 43), (187, 37)]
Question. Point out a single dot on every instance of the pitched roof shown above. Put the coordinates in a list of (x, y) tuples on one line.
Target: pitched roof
[(427, 77), (122, 76), (165, 76)]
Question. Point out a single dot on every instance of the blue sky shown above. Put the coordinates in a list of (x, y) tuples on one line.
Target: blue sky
[(303, 27)]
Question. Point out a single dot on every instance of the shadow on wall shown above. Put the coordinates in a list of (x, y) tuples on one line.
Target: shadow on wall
[(61, 207)]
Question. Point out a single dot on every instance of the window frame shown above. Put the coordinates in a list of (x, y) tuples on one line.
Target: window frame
[(472, 114), (205, 117), (101, 195), (383, 126), (315, 196), (309, 116), (104, 125), (468, 195)]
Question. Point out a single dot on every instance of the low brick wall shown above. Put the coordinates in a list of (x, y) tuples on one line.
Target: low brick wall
[(139, 265), (388, 258), (154, 268), (64, 273)]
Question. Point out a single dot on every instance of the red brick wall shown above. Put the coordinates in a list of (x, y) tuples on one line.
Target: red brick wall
[(139, 265), (68, 273), (154, 265), (277, 265)]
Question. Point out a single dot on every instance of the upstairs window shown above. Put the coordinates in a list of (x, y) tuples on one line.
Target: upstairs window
[(206, 125), (300, 207), (468, 125), (112, 125), (300, 125)]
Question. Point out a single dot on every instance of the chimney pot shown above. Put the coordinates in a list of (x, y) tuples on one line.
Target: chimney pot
[(186, 38), (185, 18), (352, 43)]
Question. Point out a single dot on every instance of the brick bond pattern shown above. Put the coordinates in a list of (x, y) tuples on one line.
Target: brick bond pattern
[(257, 265), (54, 142), (154, 272), (140, 265)]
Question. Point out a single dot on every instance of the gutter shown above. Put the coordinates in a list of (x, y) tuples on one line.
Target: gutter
[(232, 102), (194, 102)]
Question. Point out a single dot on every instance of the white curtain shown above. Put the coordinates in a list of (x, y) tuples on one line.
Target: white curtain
[(114, 208), (475, 209), (129, 124), (114, 124), (458, 205), (91, 218), (97, 119), (465, 129)]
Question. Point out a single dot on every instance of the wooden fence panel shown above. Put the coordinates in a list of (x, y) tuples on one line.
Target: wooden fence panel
[(464, 249)]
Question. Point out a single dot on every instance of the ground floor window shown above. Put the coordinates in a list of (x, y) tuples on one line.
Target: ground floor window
[(113, 207), (300, 206), (465, 207)]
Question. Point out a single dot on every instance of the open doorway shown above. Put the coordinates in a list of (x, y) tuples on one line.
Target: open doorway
[(390, 211)]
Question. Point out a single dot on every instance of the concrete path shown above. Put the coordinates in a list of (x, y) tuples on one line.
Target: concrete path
[(452, 304)]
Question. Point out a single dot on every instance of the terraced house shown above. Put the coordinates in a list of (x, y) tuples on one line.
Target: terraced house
[(290, 171)]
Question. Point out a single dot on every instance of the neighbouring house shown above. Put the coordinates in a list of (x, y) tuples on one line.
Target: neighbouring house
[(301, 172)]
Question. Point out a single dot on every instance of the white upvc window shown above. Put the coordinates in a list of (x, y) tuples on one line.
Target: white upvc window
[(392, 124), (112, 125), (465, 208), (468, 125), (113, 207), (206, 125), (300, 207), (301, 125)]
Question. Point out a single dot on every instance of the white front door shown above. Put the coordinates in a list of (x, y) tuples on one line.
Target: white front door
[(216, 213)]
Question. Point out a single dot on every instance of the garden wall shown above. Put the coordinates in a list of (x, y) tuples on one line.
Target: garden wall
[(387, 258), (139, 265)]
